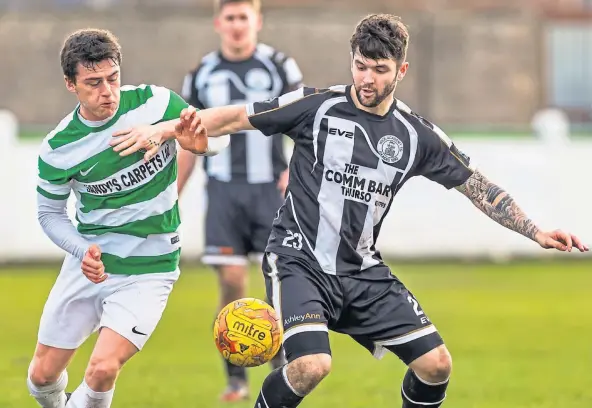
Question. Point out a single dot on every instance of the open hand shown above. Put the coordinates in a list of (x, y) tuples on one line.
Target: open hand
[(190, 133), (146, 138), (560, 240), (92, 266)]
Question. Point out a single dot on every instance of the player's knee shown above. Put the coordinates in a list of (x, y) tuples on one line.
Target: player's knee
[(232, 277), (102, 371), (41, 375), (306, 372), (435, 366)]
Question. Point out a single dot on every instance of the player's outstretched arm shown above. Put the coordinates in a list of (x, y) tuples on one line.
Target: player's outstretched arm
[(285, 114), (498, 205), (189, 130), (196, 130), (149, 138), (217, 121)]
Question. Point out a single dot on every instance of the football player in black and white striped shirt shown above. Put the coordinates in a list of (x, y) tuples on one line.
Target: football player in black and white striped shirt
[(355, 147)]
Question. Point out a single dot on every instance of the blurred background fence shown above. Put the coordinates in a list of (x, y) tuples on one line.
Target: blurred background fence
[(475, 63), (479, 68)]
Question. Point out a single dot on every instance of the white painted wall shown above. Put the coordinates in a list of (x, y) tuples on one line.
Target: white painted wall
[(550, 181)]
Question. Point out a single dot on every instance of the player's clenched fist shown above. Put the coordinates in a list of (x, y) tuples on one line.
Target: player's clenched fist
[(190, 132), (92, 266)]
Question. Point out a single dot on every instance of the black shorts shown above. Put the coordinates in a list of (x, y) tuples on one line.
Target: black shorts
[(238, 220), (374, 308)]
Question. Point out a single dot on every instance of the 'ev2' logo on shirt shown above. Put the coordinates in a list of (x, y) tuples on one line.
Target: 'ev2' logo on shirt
[(293, 240), (339, 132)]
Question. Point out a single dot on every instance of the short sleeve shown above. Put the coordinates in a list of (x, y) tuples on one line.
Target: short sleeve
[(284, 113), (189, 91), (440, 159), (52, 183), (293, 74), (175, 106)]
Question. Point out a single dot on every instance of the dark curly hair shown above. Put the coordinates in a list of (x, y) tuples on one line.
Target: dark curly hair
[(88, 47), (381, 36)]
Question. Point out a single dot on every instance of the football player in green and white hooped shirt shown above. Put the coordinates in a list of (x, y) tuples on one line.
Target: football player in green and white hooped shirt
[(122, 259)]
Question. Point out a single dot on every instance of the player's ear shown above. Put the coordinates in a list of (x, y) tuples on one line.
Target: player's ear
[(70, 85), (217, 22), (402, 71), (259, 21)]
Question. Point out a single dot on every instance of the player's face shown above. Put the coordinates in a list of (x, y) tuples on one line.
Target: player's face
[(375, 80), (238, 25), (97, 89)]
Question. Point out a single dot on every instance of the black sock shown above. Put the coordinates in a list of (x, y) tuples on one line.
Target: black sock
[(276, 393), (417, 394), (235, 373)]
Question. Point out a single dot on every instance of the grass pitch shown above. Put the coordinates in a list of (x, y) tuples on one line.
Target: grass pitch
[(519, 335)]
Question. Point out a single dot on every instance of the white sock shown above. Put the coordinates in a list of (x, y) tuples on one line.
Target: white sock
[(51, 395), (84, 397)]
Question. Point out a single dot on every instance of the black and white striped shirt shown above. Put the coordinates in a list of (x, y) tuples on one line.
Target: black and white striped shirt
[(251, 157), (347, 166)]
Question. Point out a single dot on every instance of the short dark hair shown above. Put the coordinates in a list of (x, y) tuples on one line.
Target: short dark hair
[(381, 36), (89, 47), (219, 4)]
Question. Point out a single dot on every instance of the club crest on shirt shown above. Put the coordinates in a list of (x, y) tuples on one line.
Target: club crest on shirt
[(258, 79), (390, 148)]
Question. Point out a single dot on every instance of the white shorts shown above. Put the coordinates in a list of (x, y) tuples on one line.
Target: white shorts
[(130, 305)]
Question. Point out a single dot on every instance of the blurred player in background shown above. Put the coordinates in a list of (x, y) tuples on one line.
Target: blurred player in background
[(247, 181), (122, 259), (355, 147)]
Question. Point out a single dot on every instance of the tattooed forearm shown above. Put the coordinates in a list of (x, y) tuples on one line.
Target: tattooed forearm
[(497, 204)]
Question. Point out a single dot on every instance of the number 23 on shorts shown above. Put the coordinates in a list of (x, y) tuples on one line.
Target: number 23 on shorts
[(417, 309), (293, 240)]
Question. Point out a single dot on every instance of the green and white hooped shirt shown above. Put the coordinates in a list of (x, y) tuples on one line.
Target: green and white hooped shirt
[(125, 205)]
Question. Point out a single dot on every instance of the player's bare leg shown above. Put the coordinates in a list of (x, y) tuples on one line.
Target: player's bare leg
[(426, 380), (111, 352), (233, 281), (47, 377), (287, 386)]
